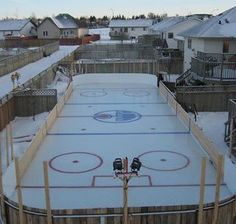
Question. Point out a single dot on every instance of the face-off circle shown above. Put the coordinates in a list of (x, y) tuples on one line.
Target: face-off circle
[(136, 93), (93, 93), (164, 160), (117, 116), (75, 162)]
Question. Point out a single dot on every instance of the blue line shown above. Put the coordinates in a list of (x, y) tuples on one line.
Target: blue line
[(111, 103), (138, 133), (87, 116)]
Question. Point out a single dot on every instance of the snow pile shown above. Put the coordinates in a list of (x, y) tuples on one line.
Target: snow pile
[(61, 81)]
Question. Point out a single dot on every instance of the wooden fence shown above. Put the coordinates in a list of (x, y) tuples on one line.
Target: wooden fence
[(12, 63), (7, 112), (185, 214), (32, 102), (207, 145), (128, 66), (206, 98), (27, 103)]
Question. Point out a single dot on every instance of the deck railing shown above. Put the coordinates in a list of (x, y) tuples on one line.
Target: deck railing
[(220, 67)]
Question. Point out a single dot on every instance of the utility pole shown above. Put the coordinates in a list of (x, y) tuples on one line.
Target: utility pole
[(122, 172)]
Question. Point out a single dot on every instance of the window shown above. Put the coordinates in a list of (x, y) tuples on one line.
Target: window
[(126, 30), (144, 28), (112, 29), (189, 43), (226, 46), (71, 32), (133, 29), (45, 33), (170, 35), (121, 30)]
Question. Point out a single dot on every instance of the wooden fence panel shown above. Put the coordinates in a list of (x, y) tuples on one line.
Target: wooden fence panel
[(33, 102), (7, 113)]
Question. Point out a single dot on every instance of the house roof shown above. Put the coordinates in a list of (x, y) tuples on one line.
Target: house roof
[(64, 21), (13, 24), (131, 23), (166, 24), (220, 26)]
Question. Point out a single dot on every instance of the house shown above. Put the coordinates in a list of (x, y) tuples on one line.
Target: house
[(130, 28), (216, 35), (61, 26), (170, 27), (17, 28)]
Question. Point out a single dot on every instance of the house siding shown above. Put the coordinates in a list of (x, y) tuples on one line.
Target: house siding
[(209, 45), (29, 30), (51, 28), (25, 31), (82, 32), (136, 32), (172, 43), (197, 45)]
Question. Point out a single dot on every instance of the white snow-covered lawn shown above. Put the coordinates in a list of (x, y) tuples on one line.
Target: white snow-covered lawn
[(29, 71)]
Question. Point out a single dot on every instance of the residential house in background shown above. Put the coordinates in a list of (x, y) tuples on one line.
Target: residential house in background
[(170, 27), (61, 26), (212, 39), (17, 28), (129, 29)]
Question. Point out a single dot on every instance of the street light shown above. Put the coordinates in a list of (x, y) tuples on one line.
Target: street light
[(121, 171)]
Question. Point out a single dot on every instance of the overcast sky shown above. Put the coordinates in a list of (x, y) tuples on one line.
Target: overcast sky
[(77, 8)]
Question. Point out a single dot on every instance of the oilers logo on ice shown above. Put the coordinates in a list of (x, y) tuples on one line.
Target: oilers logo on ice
[(117, 116)]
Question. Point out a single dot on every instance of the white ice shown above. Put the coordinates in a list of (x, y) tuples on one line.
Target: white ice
[(78, 142)]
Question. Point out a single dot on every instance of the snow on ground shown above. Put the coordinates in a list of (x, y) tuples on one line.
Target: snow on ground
[(25, 128), (29, 71), (212, 124), (23, 131)]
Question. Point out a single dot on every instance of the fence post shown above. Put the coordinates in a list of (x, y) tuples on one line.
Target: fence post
[(153, 67), (7, 145), (202, 191), (231, 137), (1, 185), (19, 192), (217, 191), (47, 192), (11, 141)]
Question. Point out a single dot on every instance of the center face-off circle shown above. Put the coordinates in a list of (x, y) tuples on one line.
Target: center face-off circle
[(93, 93), (117, 116), (75, 162), (164, 160), (136, 93)]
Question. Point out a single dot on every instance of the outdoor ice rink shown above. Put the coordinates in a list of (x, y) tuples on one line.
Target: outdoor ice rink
[(103, 121)]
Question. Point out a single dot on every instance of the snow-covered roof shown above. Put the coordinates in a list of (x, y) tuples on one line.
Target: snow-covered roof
[(13, 24), (131, 23), (220, 26), (167, 23), (64, 21)]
